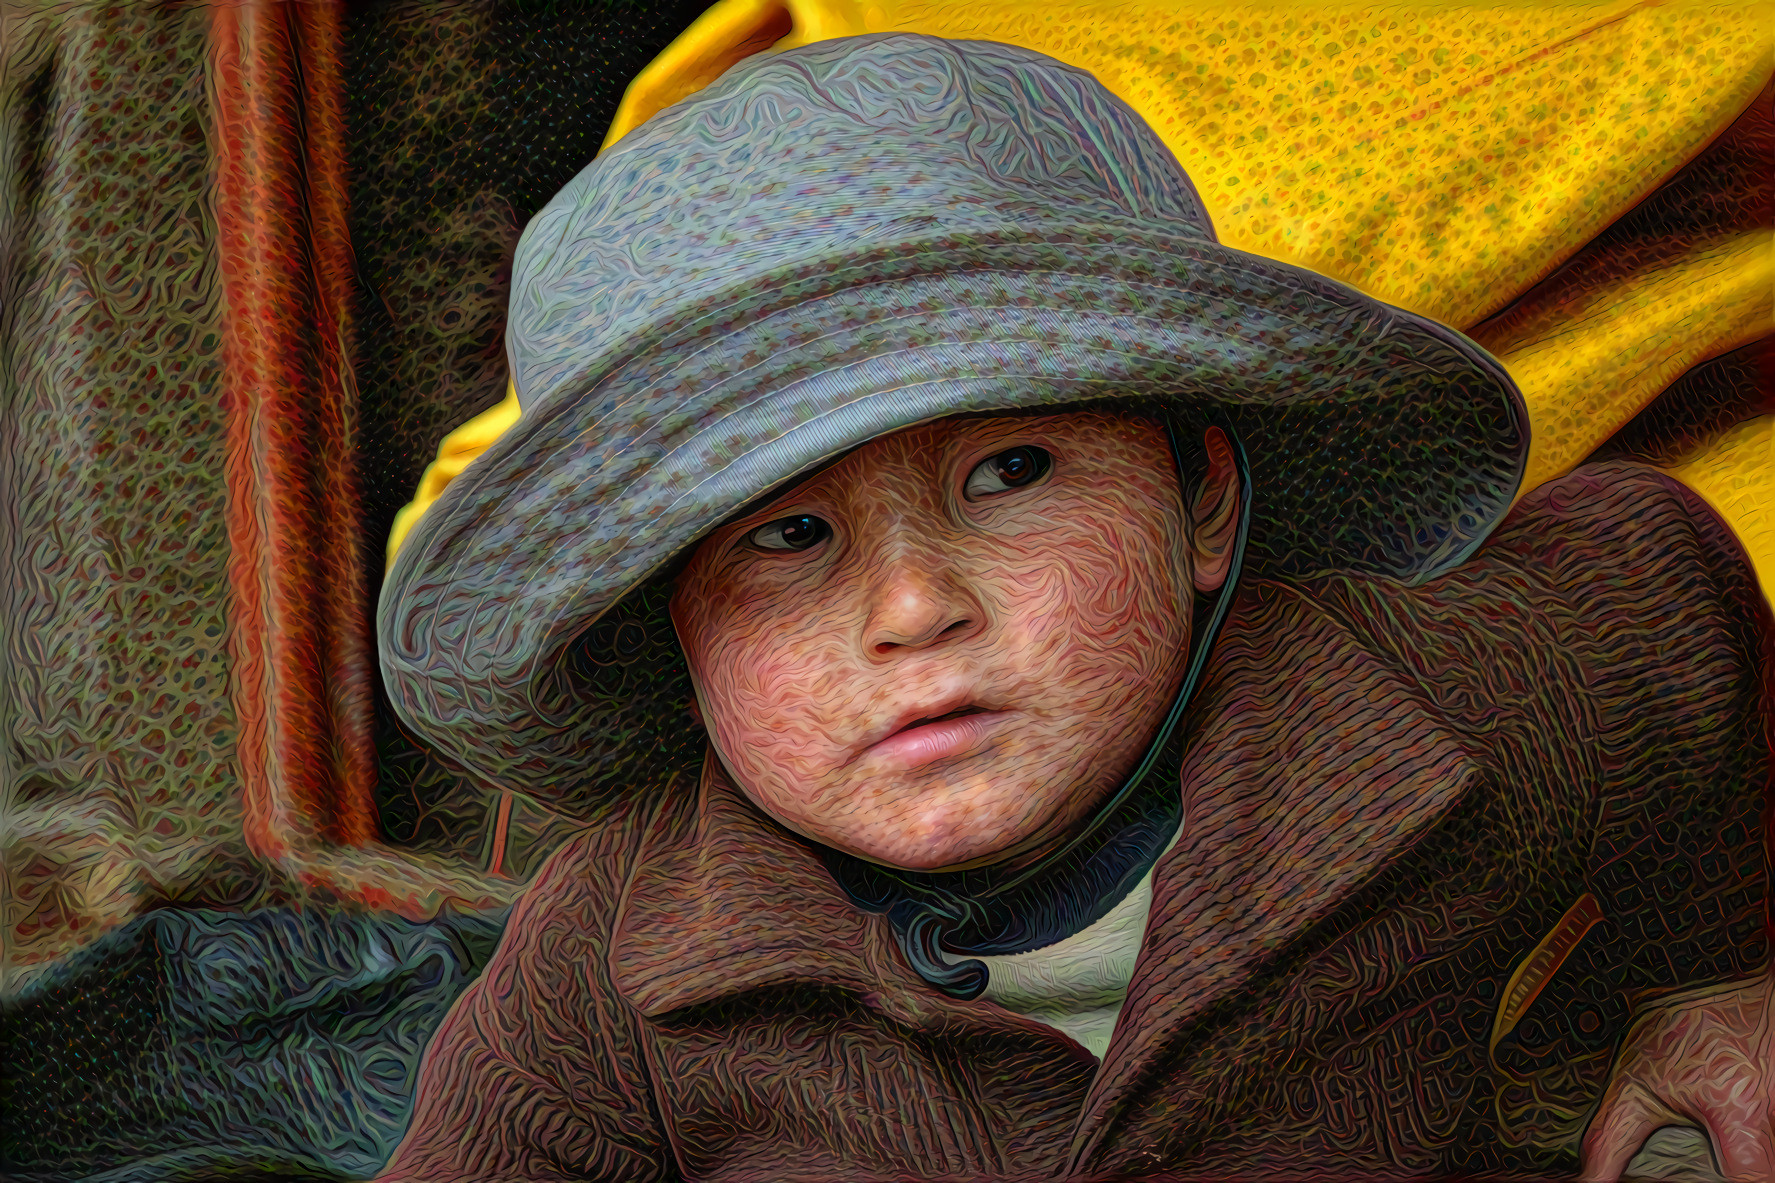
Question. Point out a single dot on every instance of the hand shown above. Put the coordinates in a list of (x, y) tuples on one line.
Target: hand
[(1704, 1058)]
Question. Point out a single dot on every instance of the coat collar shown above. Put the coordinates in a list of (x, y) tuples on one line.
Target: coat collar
[(1313, 765), (725, 901)]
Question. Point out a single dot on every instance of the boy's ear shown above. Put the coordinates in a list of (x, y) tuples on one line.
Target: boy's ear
[(1214, 514)]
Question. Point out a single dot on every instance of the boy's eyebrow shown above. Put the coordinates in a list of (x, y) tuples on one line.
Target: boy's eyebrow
[(795, 482), (668, 573), (800, 479), (782, 490)]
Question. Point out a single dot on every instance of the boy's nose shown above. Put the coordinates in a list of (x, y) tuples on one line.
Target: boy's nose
[(917, 605)]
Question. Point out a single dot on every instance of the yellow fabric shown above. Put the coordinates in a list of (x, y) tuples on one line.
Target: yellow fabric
[(1588, 360), (702, 53), (457, 449), (1735, 474), (1442, 158), (1445, 159)]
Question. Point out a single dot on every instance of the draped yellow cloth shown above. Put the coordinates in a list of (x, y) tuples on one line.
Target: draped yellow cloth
[(1463, 162)]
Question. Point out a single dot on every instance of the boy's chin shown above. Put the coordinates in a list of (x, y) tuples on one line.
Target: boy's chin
[(932, 865), (942, 827), (936, 856), (933, 821)]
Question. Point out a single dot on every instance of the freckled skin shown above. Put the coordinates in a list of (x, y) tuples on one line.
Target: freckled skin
[(1060, 604)]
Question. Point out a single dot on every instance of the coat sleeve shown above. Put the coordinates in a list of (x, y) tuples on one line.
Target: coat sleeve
[(1609, 651), (537, 1072)]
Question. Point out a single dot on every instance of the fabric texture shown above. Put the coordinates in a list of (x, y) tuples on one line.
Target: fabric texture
[(126, 867), (201, 1044), (1439, 161), (114, 704), (1392, 794), (835, 242)]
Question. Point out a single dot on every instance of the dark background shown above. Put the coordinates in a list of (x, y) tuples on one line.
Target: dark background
[(244, 1041), (465, 118)]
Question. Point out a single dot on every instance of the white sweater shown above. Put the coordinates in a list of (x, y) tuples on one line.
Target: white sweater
[(1077, 986)]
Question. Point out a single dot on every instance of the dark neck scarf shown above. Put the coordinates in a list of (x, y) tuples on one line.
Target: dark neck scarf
[(997, 910)]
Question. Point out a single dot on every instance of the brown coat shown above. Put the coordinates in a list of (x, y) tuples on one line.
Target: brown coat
[(1392, 796)]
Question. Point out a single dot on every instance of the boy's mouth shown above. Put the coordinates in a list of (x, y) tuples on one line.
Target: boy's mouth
[(926, 738), (944, 718)]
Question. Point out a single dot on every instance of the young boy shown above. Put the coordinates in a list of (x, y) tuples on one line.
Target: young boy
[(897, 446)]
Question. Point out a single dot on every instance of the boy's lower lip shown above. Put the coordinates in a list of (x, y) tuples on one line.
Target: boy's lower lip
[(942, 739)]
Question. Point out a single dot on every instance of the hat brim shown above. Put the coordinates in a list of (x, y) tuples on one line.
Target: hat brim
[(1378, 442)]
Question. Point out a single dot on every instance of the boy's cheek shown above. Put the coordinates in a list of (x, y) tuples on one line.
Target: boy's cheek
[(1108, 608), (778, 700)]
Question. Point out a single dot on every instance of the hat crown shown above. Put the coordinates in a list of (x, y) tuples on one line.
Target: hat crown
[(855, 143)]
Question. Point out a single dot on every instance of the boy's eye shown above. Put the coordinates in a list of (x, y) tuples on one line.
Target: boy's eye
[(796, 533), (1007, 470)]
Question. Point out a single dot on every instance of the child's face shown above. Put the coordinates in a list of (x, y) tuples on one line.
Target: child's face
[(950, 646)]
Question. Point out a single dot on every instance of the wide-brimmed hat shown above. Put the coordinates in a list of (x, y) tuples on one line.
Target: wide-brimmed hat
[(835, 242)]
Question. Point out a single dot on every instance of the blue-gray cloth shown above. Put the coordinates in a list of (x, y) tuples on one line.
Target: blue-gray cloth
[(209, 1045)]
